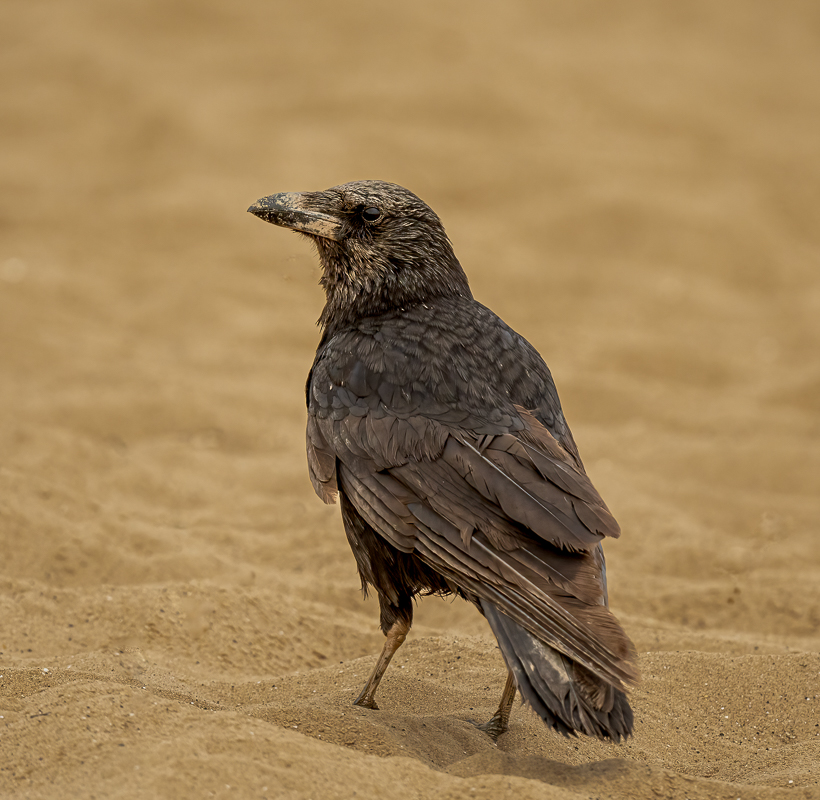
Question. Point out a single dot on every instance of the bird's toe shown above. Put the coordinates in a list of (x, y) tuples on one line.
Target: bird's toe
[(494, 727), (366, 702)]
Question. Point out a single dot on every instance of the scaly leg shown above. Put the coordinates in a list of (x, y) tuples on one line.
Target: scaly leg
[(500, 721), (399, 621)]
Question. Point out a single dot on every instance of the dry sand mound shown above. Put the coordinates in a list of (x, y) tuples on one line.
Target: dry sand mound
[(634, 187)]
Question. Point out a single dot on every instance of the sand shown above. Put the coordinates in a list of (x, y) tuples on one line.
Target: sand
[(635, 187)]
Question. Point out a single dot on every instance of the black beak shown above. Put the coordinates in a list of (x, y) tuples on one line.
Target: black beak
[(292, 210)]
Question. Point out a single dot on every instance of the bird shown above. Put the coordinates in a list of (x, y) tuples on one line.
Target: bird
[(439, 430)]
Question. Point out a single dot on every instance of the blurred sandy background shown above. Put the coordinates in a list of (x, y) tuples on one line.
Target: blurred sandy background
[(635, 187)]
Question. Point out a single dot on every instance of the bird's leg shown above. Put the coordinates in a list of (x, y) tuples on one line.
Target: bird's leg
[(500, 721), (395, 622)]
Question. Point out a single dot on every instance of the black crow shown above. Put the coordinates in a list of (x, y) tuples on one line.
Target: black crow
[(440, 430)]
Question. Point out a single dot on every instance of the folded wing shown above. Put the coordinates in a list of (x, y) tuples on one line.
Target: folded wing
[(509, 517)]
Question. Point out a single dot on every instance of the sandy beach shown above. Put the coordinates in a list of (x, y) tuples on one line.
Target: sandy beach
[(633, 187)]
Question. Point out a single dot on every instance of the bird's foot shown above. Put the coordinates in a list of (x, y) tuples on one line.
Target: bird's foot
[(494, 727), (366, 702)]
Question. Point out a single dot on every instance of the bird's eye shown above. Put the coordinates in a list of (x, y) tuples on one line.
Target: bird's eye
[(371, 214)]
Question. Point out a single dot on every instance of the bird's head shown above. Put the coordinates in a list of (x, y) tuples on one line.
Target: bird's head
[(381, 248)]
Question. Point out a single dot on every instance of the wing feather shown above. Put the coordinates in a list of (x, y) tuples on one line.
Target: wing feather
[(493, 575), (499, 509)]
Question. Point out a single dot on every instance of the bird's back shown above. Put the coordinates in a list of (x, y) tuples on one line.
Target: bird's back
[(450, 358)]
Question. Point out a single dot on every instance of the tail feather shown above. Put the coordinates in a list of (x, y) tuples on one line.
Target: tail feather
[(566, 696)]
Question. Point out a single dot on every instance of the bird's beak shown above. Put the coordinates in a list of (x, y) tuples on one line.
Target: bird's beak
[(292, 210)]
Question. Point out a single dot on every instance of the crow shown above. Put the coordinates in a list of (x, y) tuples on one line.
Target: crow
[(440, 430)]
